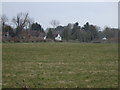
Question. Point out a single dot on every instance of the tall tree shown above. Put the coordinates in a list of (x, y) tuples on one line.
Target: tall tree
[(91, 32), (75, 31), (86, 26), (4, 19), (21, 21), (66, 33), (50, 34), (36, 26)]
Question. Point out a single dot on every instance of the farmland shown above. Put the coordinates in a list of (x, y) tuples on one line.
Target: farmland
[(58, 65)]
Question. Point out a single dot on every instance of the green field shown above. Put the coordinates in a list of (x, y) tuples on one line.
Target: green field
[(58, 65)]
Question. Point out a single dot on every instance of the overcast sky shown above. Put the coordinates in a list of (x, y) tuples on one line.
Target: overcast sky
[(96, 13)]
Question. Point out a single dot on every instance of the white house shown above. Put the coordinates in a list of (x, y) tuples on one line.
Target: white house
[(44, 37), (58, 38), (104, 38)]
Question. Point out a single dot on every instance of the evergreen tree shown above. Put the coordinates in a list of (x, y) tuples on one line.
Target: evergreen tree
[(50, 34), (66, 33), (36, 26), (75, 31)]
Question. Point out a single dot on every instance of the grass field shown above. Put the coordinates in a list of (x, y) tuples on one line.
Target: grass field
[(58, 65)]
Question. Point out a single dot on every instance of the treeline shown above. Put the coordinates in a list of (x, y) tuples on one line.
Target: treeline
[(28, 31)]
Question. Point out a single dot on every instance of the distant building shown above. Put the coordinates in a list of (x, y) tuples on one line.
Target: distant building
[(58, 38), (44, 37), (104, 38), (57, 30)]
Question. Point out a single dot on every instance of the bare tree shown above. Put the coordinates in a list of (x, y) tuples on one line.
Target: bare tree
[(4, 19), (21, 21), (30, 22), (54, 23)]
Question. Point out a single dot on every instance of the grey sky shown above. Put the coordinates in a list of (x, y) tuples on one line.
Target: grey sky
[(97, 13)]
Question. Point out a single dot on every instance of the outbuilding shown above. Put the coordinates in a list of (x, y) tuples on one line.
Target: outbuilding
[(58, 38), (104, 38)]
